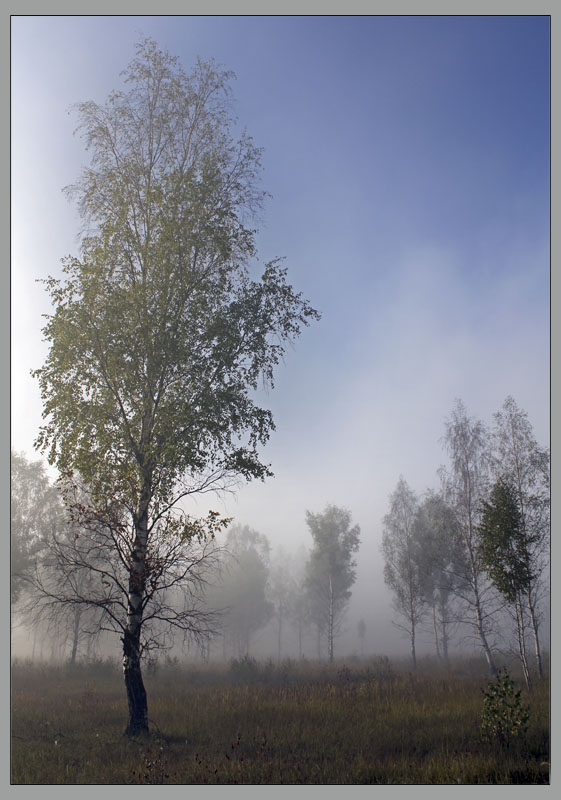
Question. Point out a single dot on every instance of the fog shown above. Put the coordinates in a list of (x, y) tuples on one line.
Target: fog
[(418, 229)]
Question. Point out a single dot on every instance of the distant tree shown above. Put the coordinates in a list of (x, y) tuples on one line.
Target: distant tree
[(331, 568), (440, 562), (517, 458), (35, 508), (38, 519), (282, 587), (506, 550), (361, 627), (159, 337), (242, 594), (299, 601), (402, 561), (464, 485)]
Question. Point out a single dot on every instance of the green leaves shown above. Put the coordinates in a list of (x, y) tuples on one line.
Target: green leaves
[(158, 337), (189, 529), (504, 718), (505, 545)]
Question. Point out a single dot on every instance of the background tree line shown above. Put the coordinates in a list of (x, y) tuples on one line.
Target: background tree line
[(237, 588), (462, 560), (461, 563)]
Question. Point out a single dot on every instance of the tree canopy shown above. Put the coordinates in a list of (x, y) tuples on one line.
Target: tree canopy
[(159, 335), (504, 543)]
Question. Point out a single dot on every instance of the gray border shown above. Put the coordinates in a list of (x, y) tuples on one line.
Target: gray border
[(240, 7)]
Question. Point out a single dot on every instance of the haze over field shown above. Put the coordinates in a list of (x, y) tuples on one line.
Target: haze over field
[(408, 163)]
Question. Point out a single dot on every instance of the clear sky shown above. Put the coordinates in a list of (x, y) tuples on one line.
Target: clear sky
[(408, 162)]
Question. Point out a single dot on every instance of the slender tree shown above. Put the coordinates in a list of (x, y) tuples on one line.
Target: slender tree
[(282, 587), (506, 552), (440, 562), (35, 508), (242, 594), (464, 485), (517, 458), (402, 561), (361, 628), (298, 609), (37, 517), (159, 335), (331, 568)]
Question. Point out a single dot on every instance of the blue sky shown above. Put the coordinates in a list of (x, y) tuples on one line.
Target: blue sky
[(408, 162)]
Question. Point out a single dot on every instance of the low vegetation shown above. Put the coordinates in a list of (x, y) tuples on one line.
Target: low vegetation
[(266, 723)]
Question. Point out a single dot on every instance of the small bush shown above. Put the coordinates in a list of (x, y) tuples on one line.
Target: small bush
[(244, 670), (504, 717)]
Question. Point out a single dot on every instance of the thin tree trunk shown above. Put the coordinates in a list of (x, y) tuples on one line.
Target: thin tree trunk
[(280, 631), (331, 622), (521, 633), (412, 620), (136, 693), (435, 628), (89, 648), (485, 644), (445, 655), (478, 612), (535, 627), (531, 608), (75, 634), (445, 637)]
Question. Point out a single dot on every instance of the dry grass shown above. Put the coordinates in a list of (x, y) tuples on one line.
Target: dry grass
[(294, 724)]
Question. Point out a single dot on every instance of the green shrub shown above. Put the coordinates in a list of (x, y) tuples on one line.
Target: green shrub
[(504, 717)]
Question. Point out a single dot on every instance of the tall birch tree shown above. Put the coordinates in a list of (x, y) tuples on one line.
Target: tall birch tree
[(402, 561), (506, 549), (464, 485), (441, 559), (159, 335), (516, 457)]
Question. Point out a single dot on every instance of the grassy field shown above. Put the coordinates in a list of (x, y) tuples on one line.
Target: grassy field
[(296, 723)]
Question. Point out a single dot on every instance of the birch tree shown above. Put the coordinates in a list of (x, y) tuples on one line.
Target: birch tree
[(330, 570), (282, 589), (38, 520), (159, 335), (506, 550), (441, 560), (464, 485), (242, 593), (298, 609), (517, 458), (402, 561), (35, 508)]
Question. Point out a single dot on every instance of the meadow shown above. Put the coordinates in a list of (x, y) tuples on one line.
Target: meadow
[(368, 722)]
